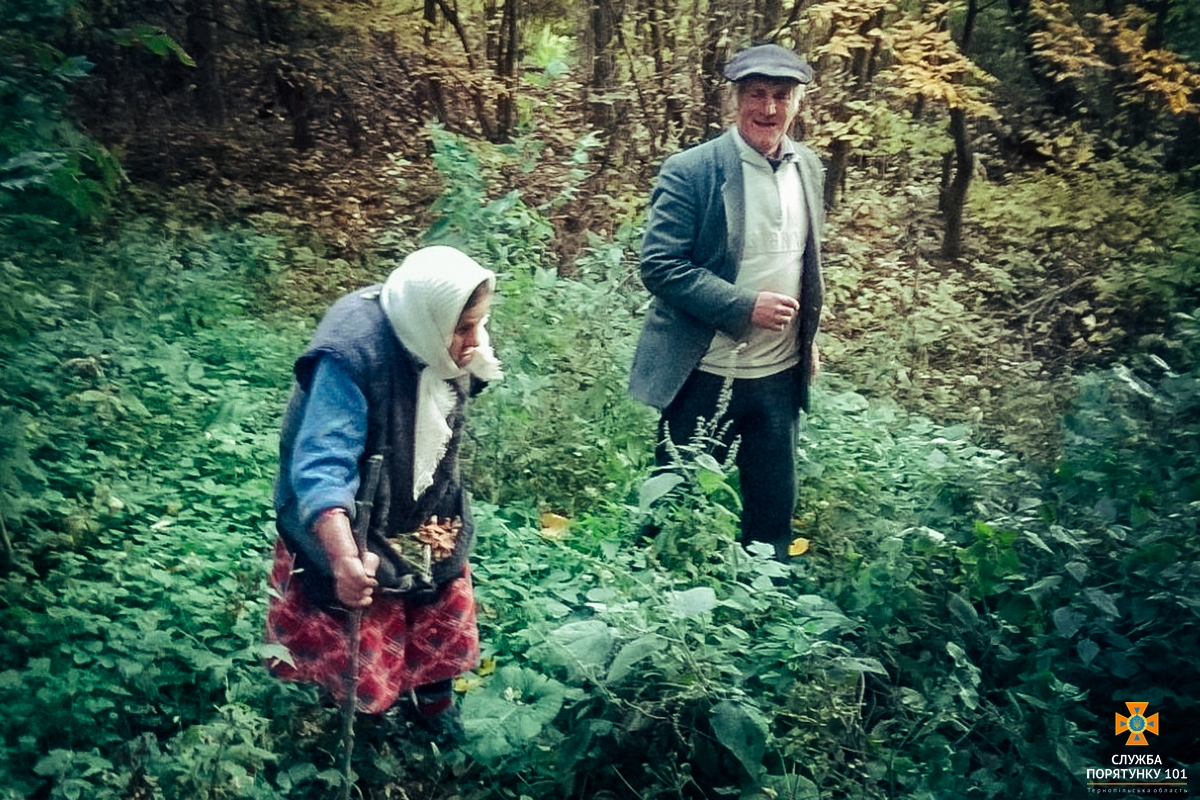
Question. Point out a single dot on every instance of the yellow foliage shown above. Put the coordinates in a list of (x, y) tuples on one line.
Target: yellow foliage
[(929, 64), (842, 21), (1157, 73), (1062, 42), (465, 683), (473, 680)]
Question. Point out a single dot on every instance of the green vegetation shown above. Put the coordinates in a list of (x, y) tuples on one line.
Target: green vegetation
[(1000, 478), (960, 626), (48, 166)]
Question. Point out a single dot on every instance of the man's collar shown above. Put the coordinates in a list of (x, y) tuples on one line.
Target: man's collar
[(787, 151)]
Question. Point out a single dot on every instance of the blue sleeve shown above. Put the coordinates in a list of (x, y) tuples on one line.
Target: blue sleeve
[(332, 437)]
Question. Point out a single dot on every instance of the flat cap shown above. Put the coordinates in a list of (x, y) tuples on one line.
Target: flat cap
[(768, 61)]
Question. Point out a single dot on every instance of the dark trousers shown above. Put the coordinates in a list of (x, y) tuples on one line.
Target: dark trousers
[(764, 413)]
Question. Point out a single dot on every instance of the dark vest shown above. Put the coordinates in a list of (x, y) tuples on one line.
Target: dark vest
[(356, 332)]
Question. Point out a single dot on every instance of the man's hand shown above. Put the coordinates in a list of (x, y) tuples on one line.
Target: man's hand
[(815, 366), (773, 311)]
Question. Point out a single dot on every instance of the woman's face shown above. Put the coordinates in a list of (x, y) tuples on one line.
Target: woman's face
[(467, 332)]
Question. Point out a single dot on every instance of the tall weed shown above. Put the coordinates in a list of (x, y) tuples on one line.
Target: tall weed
[(559, 432)]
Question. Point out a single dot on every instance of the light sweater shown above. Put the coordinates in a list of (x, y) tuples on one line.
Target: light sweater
[(775, 234)]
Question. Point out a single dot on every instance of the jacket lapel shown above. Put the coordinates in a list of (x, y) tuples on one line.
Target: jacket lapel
[(733, 192)]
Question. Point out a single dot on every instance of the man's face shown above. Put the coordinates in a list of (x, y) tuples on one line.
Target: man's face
[(766, 108)]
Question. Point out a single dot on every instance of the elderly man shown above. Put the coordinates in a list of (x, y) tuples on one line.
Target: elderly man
[(732, 256)]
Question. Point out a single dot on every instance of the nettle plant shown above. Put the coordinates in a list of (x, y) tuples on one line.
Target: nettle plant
[(692, 506), (617, 672), (560, 431), (880, 664), (139, 437)]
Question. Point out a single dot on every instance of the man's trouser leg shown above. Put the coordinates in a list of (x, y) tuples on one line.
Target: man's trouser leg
[(765, 414), (767, 420)]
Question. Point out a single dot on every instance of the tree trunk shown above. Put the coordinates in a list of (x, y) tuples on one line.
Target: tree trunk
[(429, 17), (437, 94), (1183, 152), (294, 97), (865, 63), (712, 60), (491, 16), (1059, 94), (506, 69), (766, 20), (203, 47), (954, 197), (835, 176), (602, 26), (671, 69), (260, 20), (968, 32), (1156, 36), (437, 97)]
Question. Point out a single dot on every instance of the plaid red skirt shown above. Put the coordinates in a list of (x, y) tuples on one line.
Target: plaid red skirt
[(403, 645)]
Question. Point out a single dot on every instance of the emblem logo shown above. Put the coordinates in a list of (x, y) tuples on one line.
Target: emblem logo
[(1137, 724)]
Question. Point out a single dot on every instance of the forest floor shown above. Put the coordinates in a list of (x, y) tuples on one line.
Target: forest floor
[(368, 171)]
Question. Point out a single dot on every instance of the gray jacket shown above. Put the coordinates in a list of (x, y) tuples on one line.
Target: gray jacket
[(689, 262)]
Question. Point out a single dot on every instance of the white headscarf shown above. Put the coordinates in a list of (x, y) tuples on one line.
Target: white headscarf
[(423, 299)]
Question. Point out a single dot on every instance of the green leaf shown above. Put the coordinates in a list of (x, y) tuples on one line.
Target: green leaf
[(331, 777), (962, 610), (1078, 570), (741, 729), (791, 787), (1068, 621), (1045, 586), (1037, 541), (1088, 650), (693, 602), (1103, 601), (847, 403), (56, 763), (509, 713), (655, 488), (858, 664), (632, 653), (276, 651), (583, 647), (155, 40)]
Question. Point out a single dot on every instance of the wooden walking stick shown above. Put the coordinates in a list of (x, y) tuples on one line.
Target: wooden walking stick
[(362, 521)]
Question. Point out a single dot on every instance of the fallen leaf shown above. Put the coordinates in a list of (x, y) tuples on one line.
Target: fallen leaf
[(798, 547), (554, 526)]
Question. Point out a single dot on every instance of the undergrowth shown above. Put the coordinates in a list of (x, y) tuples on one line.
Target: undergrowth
[(963, 623)]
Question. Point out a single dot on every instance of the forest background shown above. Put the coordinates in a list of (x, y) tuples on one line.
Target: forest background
[(1000, 476)]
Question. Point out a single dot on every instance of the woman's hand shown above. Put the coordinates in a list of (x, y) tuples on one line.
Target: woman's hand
[(353, 576), (354, 579)]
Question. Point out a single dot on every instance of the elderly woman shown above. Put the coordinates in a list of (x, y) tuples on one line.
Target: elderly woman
[(387, 374)]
